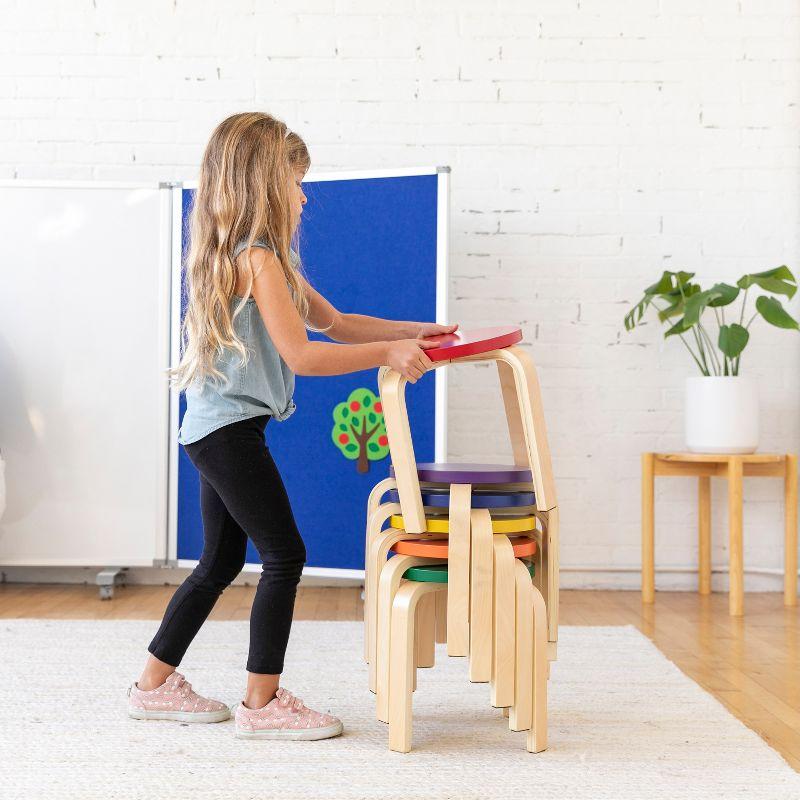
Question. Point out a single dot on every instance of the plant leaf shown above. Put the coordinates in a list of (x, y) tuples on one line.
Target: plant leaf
[(671, 286), (639, 308), (663, 285), (680, 326), (726, 294), (774, 313), (733, 339), (697, 303), (778, 281), (677, 307), (782, 272)]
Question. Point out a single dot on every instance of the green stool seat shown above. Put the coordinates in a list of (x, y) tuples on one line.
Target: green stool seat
[(437, 573)]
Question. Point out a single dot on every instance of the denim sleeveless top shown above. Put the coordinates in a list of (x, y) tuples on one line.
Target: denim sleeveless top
[(265, 385)]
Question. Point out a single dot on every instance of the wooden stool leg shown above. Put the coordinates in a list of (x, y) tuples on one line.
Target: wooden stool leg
[(550, 577), (511, 404), (545, 576), (522, 710), (376, 558), (390, 579), (373, 502), (648, 527), (531, 420), (375, 523), (790, 537), (379, 552), (537, 734), (378, 491), (503, 601), (704, 533), (393, 400), (425, 646), (736, 565), (458, 577), (441, 617), (480, 629), (401, 667)]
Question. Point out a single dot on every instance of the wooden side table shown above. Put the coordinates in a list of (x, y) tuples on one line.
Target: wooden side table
[(734, 468)]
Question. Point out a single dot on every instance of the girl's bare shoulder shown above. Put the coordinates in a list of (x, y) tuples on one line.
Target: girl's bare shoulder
[(259, 257)]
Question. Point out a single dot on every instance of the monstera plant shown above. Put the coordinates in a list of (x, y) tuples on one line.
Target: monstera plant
[(721, 413)]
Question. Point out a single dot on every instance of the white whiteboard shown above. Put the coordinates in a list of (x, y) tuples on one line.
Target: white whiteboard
[(84, 402)]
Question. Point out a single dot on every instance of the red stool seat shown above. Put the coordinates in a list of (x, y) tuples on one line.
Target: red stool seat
[(472, 342)]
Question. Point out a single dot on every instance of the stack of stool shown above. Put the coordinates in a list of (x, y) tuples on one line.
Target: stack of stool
[(470, 556)]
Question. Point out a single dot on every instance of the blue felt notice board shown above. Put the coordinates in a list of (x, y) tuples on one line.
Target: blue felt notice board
[(372, 244)]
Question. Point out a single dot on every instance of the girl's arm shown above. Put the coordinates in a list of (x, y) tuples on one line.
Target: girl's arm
[(355, 328), (287, 331)]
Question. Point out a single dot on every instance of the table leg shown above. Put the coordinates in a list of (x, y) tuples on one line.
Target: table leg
[(648, 527), (736, 565), (704, 531), (790, 537)]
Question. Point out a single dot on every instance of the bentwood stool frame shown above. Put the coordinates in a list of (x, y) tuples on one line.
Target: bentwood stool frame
[(527, 430), (704, 466)]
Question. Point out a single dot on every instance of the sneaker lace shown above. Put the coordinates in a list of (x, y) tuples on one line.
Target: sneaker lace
[(183, 688)]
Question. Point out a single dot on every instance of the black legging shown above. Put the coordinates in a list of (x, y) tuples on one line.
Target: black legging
[(241, 494)]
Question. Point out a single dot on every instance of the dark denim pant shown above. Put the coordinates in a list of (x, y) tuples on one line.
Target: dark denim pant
[(241, 495)]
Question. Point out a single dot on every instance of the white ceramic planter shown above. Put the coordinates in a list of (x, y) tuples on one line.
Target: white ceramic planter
[(721, 414)]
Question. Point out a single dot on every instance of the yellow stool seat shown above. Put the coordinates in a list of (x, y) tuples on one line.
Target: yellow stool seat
[(499, 525)]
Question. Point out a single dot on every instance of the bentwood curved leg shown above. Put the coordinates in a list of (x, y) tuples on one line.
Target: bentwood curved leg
[(379, 551), (390, 578), (480, 613), (458, 571), (401, 666), (376, 519), (537, 733), (503, 623)]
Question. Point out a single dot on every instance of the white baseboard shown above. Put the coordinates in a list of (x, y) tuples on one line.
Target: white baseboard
[(148, 576), (666, 580), (599, 578)]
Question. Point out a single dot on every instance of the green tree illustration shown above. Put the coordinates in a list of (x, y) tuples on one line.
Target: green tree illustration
[(359, 430)]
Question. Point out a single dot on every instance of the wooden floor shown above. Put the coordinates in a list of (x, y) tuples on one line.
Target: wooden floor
[(751, 664)]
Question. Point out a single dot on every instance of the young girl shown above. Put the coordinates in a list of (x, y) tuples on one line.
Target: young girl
[(244, 337)]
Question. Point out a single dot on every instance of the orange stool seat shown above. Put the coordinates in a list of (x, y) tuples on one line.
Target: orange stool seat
[(524, 546)]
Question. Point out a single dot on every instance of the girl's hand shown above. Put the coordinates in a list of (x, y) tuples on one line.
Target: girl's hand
[(407, 356), (433, 329)]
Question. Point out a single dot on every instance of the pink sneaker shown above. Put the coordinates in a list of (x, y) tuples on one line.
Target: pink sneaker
[(285, 717), (174, 699)]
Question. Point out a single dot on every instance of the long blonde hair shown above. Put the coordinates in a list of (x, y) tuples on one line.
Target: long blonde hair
[(242, 195)]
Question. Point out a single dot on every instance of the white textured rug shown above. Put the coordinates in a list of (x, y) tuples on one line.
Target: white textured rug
[(624, 723)]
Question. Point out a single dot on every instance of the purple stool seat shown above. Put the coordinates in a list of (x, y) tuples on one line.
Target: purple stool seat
[(470, 473), (440, 498)]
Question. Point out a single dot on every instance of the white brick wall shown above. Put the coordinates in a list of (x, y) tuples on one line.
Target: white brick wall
[(593, 144)]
